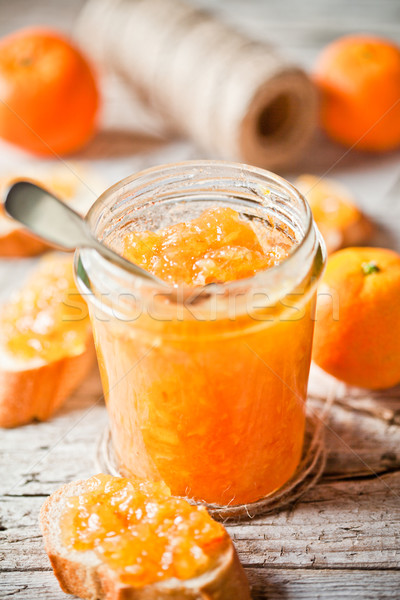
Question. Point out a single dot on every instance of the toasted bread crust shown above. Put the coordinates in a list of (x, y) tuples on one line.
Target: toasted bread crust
[(36, 393), (227, 581)]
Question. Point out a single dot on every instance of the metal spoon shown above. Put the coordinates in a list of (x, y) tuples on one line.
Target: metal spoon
[(55, 222)]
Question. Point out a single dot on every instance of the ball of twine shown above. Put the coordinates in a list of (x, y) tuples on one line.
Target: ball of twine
[(236, 98)]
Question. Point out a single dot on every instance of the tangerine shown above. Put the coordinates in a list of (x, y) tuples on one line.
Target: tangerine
[(357, 331), (359, 80), (48, 93)]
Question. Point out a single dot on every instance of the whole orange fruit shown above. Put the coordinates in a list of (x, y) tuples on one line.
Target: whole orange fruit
[(357, 330), (48, 93), (359, 80)]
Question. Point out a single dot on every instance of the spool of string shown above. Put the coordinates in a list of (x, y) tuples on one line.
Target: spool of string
[(236, 98)]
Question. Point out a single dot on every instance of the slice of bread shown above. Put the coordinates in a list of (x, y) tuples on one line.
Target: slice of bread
[(15, 242), (34, 390), (338, 218), (35, 381), (82, 572), (70, 183)]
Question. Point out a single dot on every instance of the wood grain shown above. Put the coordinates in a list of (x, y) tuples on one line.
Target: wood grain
[(339, 527), (342, 539), (278, 584)]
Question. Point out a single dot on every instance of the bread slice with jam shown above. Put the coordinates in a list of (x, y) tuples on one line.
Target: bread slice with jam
[(46, 343), (111, 538)]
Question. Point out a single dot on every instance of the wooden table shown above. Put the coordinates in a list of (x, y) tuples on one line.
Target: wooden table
[(341, 539)]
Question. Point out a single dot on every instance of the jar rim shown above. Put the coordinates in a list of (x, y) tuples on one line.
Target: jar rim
[(278, 280)]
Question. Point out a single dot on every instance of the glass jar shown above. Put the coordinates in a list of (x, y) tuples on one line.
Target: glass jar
[(206, 393)]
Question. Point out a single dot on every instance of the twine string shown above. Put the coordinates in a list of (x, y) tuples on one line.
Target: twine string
[(308, 472)]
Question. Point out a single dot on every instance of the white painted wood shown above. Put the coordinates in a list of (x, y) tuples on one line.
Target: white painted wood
[(278, 584), (342, 539)]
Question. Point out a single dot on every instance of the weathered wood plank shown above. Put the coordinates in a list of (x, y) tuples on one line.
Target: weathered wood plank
[(343, 538), (359, 444), (271, 584), (300, 584), (36, 458), (336, 525), (352, 524)]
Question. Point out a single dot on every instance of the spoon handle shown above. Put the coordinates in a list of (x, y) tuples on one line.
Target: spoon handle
[(46, 216), (52, 220)]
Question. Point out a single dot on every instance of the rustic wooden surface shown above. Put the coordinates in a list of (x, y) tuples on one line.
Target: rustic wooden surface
[(342, 539)]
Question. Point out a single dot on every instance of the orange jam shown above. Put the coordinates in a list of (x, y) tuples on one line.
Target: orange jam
[(218, 246), (140, 531), (214, 407), (47, 319)]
